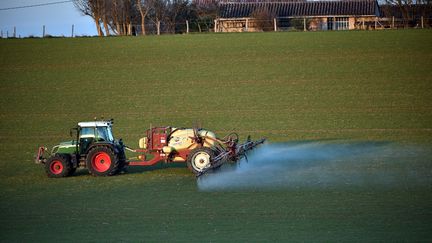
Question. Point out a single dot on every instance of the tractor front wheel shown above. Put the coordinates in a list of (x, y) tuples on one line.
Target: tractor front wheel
[(102, 161), (58, 166), (200, 159)]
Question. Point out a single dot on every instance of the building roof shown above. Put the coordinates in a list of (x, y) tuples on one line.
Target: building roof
[(240, 9)]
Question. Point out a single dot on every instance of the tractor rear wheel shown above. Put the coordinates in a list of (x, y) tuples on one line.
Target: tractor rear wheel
[(200, 159), (58, 166), (102, 161)]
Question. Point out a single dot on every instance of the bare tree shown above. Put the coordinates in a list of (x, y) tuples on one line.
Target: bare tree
[(176, 12), (403, 6), (143, 8), (122, 13), (105, 10), (264, 19), (157, 12), (127, 16), (92, 8), (410, 8), (116, 16), (206, 11)]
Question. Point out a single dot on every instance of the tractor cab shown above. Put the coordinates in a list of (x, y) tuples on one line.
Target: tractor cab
[(93, 132)]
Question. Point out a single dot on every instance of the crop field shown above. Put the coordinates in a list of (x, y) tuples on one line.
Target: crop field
[(363, 96)]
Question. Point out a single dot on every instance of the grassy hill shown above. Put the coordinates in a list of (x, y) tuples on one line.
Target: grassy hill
[(360, 86)]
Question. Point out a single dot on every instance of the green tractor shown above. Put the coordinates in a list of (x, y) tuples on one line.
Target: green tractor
[(94, 148)]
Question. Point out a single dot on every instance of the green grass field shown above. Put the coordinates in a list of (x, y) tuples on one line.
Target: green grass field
[(360, 86)]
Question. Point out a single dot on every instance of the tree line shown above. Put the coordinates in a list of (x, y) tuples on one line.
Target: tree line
[(131, 17), (409, 11)]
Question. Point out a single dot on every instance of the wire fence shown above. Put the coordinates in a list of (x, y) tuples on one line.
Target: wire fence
[(231, 25), (33, 31)]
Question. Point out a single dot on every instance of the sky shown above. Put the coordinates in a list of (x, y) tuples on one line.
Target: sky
[(58, 19)]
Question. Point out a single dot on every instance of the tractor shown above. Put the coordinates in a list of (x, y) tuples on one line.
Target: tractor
[(96, 149)]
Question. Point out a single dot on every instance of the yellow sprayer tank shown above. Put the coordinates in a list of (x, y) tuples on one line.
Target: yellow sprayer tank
[(183, 138)]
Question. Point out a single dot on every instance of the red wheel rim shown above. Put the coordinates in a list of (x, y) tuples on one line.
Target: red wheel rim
[(56, 167), (101, 162)]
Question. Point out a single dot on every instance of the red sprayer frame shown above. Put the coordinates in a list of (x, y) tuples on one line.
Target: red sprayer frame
[(228, 148), (157, 139)]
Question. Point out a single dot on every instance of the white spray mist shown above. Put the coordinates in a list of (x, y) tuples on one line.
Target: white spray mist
[(325, 164)]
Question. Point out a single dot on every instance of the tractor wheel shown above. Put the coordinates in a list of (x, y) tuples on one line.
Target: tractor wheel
[(200, 159), (58, 166), (102, 161)]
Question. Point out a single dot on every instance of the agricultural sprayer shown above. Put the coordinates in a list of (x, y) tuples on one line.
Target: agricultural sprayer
[(95, 148)]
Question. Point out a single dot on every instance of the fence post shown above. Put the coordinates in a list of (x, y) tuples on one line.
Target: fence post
[(247, 24), (304, 24), (376, 20), (43, 31), (422, 22), (158, 28), (187, 26), (72, 31), (275, 24), (215, 25), (334, 23), (14, 33), (1, 36), (392, 22)]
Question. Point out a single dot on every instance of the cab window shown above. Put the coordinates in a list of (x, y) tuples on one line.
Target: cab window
[(87, 132), (103, 134)]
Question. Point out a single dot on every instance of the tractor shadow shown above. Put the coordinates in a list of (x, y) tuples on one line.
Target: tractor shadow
[(140, 169), (155, 167)]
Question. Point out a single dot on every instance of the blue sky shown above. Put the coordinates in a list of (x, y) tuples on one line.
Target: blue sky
[(58, 19)]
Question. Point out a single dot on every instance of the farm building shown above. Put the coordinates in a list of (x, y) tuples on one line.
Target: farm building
[(241, 16)]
